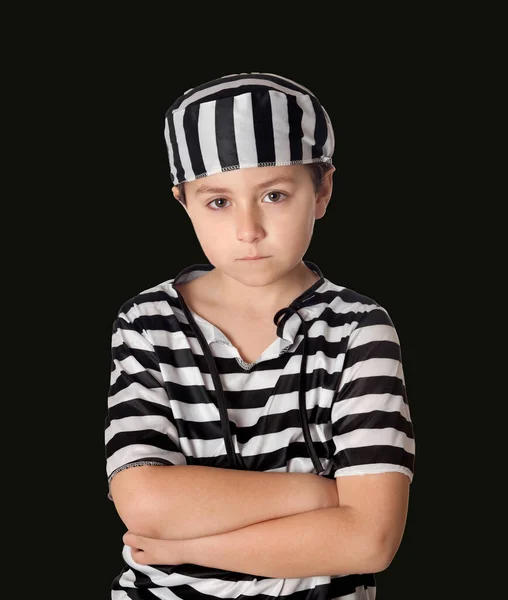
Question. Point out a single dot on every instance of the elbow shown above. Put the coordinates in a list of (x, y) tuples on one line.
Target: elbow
[(383, 551), (131, 512), (140, 521), (144, 517), (135, 508), (372, 552)]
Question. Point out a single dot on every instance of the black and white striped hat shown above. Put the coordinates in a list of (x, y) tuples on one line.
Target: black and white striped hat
[(245, 120)]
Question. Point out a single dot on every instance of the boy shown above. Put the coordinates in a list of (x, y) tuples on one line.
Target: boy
[(263, 406)]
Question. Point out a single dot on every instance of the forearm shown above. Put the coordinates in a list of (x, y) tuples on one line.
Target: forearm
[(190, 501), (332, 541)]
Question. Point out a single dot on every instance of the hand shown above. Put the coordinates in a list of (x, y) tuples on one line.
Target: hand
[(151, 551)]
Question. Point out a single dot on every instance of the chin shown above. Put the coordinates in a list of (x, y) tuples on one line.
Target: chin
[(256, 277)]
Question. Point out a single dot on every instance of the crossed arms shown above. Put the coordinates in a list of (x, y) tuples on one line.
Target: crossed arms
[(269, 524)]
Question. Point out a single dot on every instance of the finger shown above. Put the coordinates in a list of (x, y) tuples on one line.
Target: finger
[(140, 557), (130, 539)]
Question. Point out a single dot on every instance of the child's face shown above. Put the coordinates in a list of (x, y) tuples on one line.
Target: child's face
[(261, 211)]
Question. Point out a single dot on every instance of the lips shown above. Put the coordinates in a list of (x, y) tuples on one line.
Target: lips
[(253, 257)]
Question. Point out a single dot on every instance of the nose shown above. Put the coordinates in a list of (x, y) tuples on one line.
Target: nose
[(249, 224)]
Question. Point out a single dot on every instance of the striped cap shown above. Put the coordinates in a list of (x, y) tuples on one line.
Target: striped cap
[(245, 120)]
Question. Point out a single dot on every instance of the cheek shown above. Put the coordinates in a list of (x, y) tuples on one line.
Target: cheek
[(293, 228), (211, 238)]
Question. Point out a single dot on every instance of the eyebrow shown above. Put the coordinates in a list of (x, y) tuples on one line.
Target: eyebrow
[(204, 189)]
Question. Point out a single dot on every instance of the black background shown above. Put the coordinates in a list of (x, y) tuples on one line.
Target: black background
[(386, 91)]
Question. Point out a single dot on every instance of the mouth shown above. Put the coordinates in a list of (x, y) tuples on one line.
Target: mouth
[(254, 258)]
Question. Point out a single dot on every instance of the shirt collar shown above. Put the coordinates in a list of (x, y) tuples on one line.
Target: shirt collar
[(288, 326)]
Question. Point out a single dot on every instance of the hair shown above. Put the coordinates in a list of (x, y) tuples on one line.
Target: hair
[(317, 171)]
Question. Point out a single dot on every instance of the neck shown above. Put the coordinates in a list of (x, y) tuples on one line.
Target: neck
[(260, 301)]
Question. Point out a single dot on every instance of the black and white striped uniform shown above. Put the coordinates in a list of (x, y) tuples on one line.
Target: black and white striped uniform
[(335, 372)]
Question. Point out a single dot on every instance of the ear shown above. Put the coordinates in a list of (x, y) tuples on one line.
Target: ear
[(176, 194), (325, 193)]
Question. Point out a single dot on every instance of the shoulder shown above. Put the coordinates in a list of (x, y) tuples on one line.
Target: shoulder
[(348, 311), (343, 300), (157, 300)]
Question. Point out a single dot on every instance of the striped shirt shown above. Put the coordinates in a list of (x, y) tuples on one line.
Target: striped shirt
[(334, 372)]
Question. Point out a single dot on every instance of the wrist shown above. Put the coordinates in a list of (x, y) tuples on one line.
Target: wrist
[(192, 550)]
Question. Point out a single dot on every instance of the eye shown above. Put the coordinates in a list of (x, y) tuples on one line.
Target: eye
[(275, 196), (217, 200)]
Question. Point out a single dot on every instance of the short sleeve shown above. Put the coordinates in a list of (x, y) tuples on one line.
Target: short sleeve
[(371, 422), (139, 425)]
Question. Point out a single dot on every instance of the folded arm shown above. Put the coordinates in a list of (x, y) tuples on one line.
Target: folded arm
[(190, 501), (360, 536)]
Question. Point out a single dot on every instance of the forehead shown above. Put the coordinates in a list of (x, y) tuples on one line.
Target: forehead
[(253, 177)]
